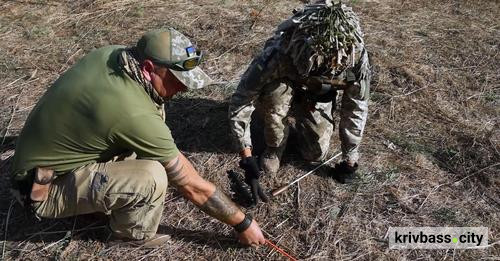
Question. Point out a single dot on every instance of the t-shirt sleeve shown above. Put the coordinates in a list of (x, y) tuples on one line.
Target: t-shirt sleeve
[(146, 135)]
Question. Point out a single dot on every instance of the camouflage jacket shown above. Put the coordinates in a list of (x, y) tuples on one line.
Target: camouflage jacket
[(281, 63)]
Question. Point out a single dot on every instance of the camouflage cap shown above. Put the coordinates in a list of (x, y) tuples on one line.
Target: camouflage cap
[(167, 46)]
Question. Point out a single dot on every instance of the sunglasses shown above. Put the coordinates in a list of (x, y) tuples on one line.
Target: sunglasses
[(193, 60)]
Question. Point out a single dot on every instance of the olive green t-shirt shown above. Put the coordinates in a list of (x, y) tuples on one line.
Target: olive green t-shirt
[(92, 113)]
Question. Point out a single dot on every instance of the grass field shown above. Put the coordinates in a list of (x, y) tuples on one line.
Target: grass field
[(430, 155)]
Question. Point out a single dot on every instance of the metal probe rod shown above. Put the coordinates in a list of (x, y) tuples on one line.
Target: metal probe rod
[(281, 189)]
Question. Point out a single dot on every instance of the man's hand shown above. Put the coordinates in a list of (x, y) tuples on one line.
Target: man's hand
[(252, 174), (252, 236), (209, 199)]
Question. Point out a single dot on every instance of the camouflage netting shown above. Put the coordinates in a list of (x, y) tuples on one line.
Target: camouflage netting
[(331, 31)]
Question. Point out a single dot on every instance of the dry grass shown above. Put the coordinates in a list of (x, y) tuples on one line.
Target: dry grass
[(431, 151)]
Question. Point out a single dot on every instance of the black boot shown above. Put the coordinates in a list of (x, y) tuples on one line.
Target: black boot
[(344, 173)]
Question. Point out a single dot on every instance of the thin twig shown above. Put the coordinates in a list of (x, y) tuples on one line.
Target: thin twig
[(4, 162), (150, 254), (172, 199), (7, 227), (454, 182), (66, 231), (477, 172), (409, 93), (16, 80), (258, 15), (73, 55), (21, 84), (11, 117), (282, 222), (68, 235), (298, 195), (432, 191), (35, 234), (232, 48), (26, 108)]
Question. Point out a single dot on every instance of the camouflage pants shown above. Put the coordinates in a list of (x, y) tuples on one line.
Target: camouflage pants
[(313, 128), (132, 192)]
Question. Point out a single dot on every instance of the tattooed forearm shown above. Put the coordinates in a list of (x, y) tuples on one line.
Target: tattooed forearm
[(183, 175), (175, 172), (220, 207)]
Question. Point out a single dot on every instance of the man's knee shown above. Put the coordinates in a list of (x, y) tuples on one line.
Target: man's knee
[(314, 151), (156, 171), (138, 199), (315, 144), (314, 155)]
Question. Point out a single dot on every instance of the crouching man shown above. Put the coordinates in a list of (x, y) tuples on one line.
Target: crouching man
[(110, 104), (294, 82)]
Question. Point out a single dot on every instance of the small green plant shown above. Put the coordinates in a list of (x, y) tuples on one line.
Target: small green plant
[(37, 31), (138, 11), (445, 215), (491, 97), (412, 146), (392, 174)]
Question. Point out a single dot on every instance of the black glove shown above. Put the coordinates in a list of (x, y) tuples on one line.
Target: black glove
[(344, 173), (320, 89), (315, 83), (252, 175)]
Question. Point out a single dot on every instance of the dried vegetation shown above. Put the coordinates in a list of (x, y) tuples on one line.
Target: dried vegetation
[(431, 153)]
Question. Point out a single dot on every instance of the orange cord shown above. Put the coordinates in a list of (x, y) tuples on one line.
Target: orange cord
[(280, 250)]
